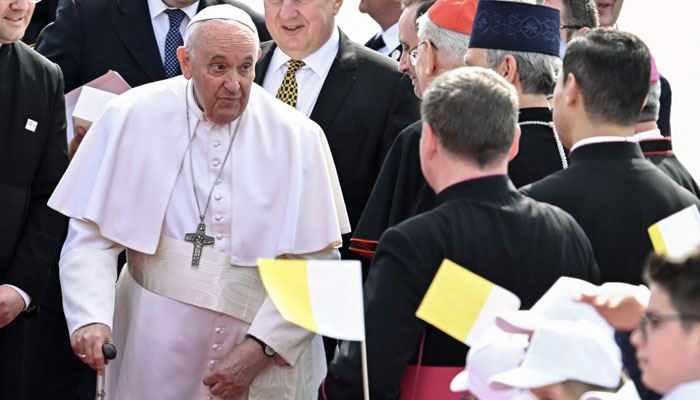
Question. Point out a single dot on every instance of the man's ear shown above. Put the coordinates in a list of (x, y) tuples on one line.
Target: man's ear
[(184, 57), (580, 31), (431, 62), (429, 142), (336, 6), (259, 54), (515, 146), (572, 90), (508, 68)]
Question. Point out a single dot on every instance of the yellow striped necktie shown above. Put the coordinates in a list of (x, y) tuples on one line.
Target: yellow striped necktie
[(288, 89)]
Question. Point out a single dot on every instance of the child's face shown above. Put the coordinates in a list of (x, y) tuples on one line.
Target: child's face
[(552, 392), (668, 355)]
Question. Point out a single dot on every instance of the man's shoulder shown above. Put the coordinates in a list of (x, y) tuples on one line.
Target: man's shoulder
[(370, 59), (30, 60), (265, 105)]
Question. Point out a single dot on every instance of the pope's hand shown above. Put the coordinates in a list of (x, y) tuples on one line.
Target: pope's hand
[(87, 345), (75, 142), (232, 375), (11, 304)]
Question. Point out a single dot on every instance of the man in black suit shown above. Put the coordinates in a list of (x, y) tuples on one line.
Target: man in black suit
[(356, 95), (480, 222), (90, 37), (609, 188), (33, 336)]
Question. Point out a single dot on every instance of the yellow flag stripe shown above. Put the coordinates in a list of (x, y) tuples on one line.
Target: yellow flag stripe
[(657, 239), (287, 285), (454, 300)]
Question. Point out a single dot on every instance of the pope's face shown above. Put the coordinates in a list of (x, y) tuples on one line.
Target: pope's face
[(300, 27), (409, 40), (222, 69), (608, 11), (14, 19)]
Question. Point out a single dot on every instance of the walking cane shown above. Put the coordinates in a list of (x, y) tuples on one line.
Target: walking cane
[(110, 353)]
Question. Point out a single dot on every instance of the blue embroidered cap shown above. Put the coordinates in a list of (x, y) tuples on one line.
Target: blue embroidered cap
[(514, 26)]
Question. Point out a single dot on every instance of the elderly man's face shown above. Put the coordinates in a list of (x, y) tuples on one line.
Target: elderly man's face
[(300, 27), (222, 69), (14, 19), (408, 36), (608, 11)]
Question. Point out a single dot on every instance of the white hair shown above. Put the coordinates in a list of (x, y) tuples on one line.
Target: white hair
[(451, 45)]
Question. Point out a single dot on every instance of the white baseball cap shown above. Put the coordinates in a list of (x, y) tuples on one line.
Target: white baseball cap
[(565, 350), (224, 12), (495, 351), (557, 304)]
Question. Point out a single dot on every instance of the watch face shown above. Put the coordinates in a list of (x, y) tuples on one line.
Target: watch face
[(269, 352)]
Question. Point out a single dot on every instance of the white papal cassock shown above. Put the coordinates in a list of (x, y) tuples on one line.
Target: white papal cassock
[(130, 186)]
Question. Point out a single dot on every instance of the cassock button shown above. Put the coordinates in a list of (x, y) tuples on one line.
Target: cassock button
[(218, 330), (215, 346), (218, 217), (219, 236), (216, 163), (212, 363), (217, 144), (217, 197)]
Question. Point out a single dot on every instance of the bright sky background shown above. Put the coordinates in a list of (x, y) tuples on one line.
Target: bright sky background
[(670, 28)]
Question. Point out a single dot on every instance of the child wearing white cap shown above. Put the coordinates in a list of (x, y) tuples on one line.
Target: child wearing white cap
[(564, 360), (668, 334), (495, 351)]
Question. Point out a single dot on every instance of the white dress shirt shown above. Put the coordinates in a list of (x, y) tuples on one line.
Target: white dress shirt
[(684, 391), (310, 77), (391, 39), (161, 22)]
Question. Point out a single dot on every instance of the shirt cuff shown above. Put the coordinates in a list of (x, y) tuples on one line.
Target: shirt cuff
[(25, 296)]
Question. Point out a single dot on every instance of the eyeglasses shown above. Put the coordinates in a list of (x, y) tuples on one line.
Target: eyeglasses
[(576, 27), (414, 51), (653, 321)]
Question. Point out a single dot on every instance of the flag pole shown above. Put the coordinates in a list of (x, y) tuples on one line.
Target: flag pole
[(365, 379)]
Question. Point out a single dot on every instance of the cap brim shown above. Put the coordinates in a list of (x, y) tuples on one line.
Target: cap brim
[(460, 383), (523, 378), (519, 321)]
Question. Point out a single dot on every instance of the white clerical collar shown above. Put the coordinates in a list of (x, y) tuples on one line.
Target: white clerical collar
[(319, 61), (646, 135), (601, 139), (157, 7), (684, 391), (391, 37)]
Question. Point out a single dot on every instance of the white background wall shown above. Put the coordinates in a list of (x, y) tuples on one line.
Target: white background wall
[(671, 28)]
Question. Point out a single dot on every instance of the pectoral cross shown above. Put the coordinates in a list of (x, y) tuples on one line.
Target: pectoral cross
[(199, 240)]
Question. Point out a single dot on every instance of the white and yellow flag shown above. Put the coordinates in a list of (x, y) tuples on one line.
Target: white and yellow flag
[(462, 303), (677, 234), (323, 296)]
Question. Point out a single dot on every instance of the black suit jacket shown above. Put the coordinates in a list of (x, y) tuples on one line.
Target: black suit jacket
[(363, 105), (31, 164), (484, 225), (90, 37)]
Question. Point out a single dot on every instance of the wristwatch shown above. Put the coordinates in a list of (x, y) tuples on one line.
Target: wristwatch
[(267, 350)]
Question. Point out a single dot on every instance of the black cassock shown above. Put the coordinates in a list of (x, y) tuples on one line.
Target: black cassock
[(538, 154), (660, 153), (401, 192), (615, 194), (484, 225)]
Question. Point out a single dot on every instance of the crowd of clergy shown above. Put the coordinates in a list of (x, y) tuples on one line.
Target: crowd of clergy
[(527, 141)]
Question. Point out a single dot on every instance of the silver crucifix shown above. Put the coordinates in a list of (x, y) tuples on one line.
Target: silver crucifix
[(199, 240)]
